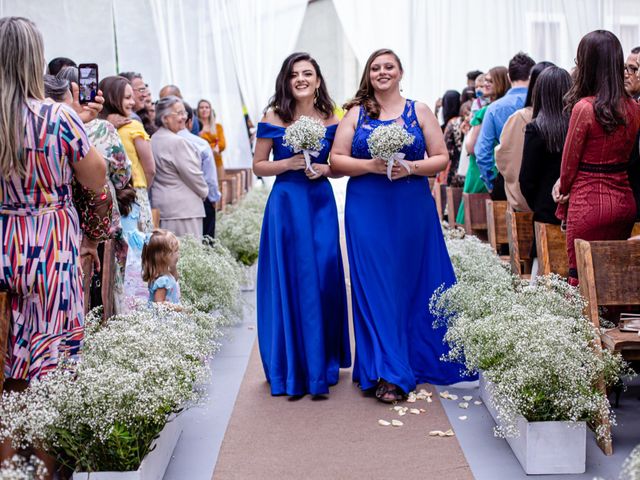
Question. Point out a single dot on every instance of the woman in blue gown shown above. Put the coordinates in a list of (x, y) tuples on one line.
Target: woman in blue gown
[(397, 254), (302, 308)]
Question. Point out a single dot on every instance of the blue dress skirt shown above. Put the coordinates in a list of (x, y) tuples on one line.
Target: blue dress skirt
[(302, 307), (397, 259)]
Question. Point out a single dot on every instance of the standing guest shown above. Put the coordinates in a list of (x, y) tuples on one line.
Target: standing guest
[(140, 92), (594, 195), (496, 84), (472, 78), (213, 133), (454, 133), (632, 74), (397, 254), (450, 106), (58, 64), (208, 170), (169, 90), (148, 116), (104, 137), (302, 304), (118, 107), (508, 153), (38, 223), (179, 187), (543, 143), (481, 97), (496, 116)]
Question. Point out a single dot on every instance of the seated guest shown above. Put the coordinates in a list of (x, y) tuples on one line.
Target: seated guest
[(179, 187), (508, 154), (543, 143)]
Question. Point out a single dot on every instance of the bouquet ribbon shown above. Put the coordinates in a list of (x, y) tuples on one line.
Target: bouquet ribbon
[(399, 158), (307, 158)]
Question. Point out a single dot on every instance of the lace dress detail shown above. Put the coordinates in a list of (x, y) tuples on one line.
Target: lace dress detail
[(408, 119)]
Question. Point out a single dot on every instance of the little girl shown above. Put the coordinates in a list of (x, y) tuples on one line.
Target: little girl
[(159, 260)]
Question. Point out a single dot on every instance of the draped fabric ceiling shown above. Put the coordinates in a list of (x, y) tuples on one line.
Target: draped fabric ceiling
[(229, 51)]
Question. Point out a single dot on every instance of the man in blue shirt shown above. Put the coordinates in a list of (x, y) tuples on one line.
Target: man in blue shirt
[(209, 173), (495, 118)]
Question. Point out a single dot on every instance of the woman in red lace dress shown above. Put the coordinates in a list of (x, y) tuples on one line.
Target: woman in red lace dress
[(594, 194)]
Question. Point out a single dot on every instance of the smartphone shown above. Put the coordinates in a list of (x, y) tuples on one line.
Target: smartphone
[(87, 82)]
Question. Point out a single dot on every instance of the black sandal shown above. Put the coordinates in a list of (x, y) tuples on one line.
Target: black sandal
[(388, 393)]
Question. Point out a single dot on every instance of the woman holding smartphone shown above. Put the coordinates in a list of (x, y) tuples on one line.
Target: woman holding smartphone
[(302, 304), (119, 100)]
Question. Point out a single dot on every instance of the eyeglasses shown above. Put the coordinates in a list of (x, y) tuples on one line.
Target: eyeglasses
[(182, 113), (141, 90), (631, 70)]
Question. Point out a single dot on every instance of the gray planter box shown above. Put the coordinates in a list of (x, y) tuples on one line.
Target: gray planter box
[(544, 448), (153, 465)]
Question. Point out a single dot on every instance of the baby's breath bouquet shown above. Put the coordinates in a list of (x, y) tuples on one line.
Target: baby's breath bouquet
[(19, 468), (305, 135), (239, 226), (631, 466), (386, 141)]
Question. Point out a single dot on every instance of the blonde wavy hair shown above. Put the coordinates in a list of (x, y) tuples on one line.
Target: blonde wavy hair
[(21, 77), (156, 254)]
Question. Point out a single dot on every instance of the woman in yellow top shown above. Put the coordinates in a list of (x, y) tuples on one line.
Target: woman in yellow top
[(118, 106), (213, 133)]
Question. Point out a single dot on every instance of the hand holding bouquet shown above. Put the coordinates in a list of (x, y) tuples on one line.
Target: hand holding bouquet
[(386, 141), (305, 135)]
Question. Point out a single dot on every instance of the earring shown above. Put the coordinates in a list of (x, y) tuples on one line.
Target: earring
[(401, 86)]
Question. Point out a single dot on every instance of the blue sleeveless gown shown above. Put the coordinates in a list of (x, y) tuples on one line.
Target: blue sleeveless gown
[(397, 259), (303, 330)]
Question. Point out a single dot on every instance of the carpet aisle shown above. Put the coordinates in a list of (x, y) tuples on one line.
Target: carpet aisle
[(276, 438)]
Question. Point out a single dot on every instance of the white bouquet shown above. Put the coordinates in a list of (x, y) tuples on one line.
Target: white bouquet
[(305, 135), (386, 141)]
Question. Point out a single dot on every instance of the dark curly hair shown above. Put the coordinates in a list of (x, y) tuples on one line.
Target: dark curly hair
[(283, 102)]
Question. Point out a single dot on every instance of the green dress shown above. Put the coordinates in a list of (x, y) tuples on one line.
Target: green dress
[(472, 182)]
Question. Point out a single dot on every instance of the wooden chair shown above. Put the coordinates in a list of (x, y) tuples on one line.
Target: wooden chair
[(636, 230), (551, 249), (155, 217), (520, 235), (454, 197), (5, 325), (497, 223), (475, 214), (609, 274)]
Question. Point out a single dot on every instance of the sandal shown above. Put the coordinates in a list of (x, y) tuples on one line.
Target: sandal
[(388, 393)]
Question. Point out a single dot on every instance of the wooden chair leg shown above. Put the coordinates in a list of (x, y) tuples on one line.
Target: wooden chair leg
[(603, 422), (5, 325), (108, 279)]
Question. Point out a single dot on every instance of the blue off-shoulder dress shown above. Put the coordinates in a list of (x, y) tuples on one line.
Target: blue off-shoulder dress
[(397, 259), (301, 296)]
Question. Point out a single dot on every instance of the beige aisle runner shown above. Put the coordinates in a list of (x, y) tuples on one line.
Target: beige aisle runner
[(337, 438)]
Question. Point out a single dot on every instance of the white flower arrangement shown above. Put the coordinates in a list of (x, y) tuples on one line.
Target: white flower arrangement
[(305, 135), (102, 413), (19, 468), (239, 226), (209, 277), (531, 341), (386, 141)]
